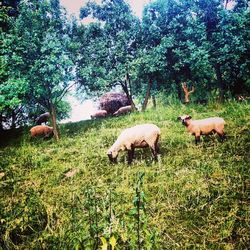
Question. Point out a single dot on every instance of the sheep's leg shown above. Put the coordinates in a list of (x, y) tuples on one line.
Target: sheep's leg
[(154, 150), (222, 135), (132, 152), (197, 138), (46, 137), (154, 154), (130, 155), (157, 149)]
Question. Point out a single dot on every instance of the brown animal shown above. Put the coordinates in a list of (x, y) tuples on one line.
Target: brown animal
[(99, 114), (123, 110), (204, 126), (41, 130)]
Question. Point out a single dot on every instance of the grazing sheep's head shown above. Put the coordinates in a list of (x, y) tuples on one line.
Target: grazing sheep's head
[(184, 119), (112, 154)]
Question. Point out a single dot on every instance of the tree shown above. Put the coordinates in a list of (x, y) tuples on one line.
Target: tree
[(8, 9), (40, 54), (175, 41), (108, 47), (228, 42), (12, 86)]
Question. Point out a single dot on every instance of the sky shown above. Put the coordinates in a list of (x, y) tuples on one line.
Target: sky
[(80, 110), (73, 6), (83, 110)]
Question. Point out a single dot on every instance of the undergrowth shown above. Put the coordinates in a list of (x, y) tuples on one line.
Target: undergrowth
[(195, 197)]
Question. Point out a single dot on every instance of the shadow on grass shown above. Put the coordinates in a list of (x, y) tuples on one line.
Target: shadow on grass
[(15, 137), (74, 128), (12, 136)]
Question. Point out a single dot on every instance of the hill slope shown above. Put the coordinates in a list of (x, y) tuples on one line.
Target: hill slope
[(194, 197)]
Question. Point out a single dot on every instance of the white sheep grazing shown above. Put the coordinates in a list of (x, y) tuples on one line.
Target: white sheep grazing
[(140, 136), (123, 110), (99, 114), (204, 126)]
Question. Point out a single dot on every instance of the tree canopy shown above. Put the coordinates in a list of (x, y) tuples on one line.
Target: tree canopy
[(203, 43)]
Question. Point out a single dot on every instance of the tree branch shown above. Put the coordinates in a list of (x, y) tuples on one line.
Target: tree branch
[(186, 92), (64, 91)]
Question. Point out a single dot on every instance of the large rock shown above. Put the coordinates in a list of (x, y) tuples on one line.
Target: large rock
[(111, 102)]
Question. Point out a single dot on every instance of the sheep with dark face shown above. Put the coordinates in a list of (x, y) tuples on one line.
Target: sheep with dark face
[(43, 118), (203, 126), (99, 114), (140, 136), (41, 130)]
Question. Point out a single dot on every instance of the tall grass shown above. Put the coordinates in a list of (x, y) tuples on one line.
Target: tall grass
[(195, 197)]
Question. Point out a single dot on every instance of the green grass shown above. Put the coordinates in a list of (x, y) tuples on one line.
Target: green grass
[(196, 197)]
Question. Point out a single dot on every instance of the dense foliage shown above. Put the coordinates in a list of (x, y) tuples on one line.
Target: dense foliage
[(203, 43), (37, 63)]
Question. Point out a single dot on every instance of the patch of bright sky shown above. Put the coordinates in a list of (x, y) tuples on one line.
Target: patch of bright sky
[(73, 6), (83, 110), (80, 110)]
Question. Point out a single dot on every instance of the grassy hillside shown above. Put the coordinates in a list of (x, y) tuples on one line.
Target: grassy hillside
[(195, 197)]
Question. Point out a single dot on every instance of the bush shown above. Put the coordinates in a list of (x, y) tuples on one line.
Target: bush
[(111, 102)]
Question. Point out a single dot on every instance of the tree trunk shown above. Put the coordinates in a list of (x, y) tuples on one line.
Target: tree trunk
[(154, 101), (179, 91), (238, 87), (53, 118), (221, 83), (145, 103), (1, 122), (13, 119), (178, 85), (126, 90)]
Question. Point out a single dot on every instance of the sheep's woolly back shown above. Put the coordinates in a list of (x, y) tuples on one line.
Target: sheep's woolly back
[(99, 113), (123, 110), (217, 120), (139, 136), (42, 118), (41, 130), (205, 126)]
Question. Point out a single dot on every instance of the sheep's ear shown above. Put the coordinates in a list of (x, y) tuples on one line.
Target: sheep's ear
[(189, 117), (178, 118)]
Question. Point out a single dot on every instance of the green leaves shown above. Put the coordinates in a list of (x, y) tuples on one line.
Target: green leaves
[(37, 56), (108, 46), (12, 93)]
